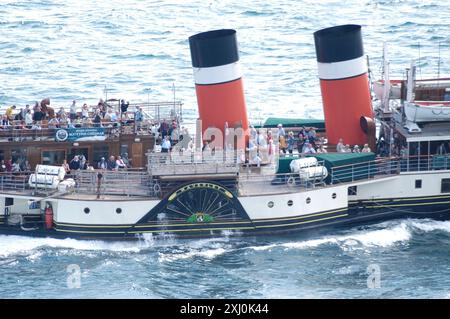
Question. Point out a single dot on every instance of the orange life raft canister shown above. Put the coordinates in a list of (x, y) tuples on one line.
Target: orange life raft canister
[(48, 217)]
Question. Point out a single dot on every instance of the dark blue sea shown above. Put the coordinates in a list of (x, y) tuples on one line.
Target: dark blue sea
[(138, 50)]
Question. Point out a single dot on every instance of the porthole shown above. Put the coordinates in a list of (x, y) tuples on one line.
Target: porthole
[(119, 210), (270, 204), (87, 210), (333, 196), (308, 200), (290, 203)]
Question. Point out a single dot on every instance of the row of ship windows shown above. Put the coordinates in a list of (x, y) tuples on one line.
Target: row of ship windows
[(290, 202), (271, 204), (87, 210)]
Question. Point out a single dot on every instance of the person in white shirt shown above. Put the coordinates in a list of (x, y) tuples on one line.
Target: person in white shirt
[(120, 163), (28, 119), (347, 148), (356, 149), (165, 145), (281, 131), (322, 149), (85, 111), (366, 149), (308, 149), (340, 147)]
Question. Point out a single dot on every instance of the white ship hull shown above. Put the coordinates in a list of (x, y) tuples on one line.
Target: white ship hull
[(379, 198)]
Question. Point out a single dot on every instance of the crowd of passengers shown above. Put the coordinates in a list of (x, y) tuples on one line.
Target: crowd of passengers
[(114, 163), (306, 141), (32, 117), (101, 115)]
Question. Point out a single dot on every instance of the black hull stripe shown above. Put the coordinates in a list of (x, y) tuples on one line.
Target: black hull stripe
[(341, 79), (219, 83), (262, 220)]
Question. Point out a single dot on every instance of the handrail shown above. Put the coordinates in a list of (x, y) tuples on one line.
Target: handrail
[(388, 166)]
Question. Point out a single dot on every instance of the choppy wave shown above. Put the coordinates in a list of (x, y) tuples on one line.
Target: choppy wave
[(393, 233), (12, 245)]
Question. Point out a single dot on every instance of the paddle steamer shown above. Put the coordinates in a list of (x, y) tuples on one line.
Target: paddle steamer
[(226, 187)]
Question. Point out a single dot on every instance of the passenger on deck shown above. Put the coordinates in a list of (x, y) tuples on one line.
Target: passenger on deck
[(165, 145), (101, 106), (25, 166), (442, 149), (126, 160), (66, 166), (9, 112), (309, 149), (124, 106), (356, 149), (64, 121), (8, 165), (281, 131), (111, 165), (282, 143), (85, 111), (5, 124), (120, 163), (20, 116), (347, 148), (28, 119), (74, 164), (300, 141), (2, 166), (73, 110), (290, 142), (255, 160), (312, 135), (321, 149), (164, 128), (38, 115), (366, 149), (340, 147), (138, 118), (15, 167), (111, 116), (253, 132), (97, 119), (102, 164), (53, 123)]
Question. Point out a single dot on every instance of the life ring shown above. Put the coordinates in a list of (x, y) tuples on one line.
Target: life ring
[(291, 181), (157, 189)]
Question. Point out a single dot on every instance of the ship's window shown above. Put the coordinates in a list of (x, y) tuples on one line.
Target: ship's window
[(290, 203), (99, 151), (270, 204), (353, 190), (333, 196), (53, 157), (418, 183), (18, 155), (445, 185), (87, 210), (308, 200), (119, 210)]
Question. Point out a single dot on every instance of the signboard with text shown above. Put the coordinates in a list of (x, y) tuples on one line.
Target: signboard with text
[(80, 134)]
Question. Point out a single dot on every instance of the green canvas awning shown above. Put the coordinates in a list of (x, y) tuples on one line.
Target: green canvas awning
[(361, 168)]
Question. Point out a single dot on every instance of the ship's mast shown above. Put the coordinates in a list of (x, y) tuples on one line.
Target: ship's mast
[(387, 83), (410, 82)]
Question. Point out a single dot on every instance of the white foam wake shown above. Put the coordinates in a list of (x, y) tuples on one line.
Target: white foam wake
[(393, 233), (10, 245)]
